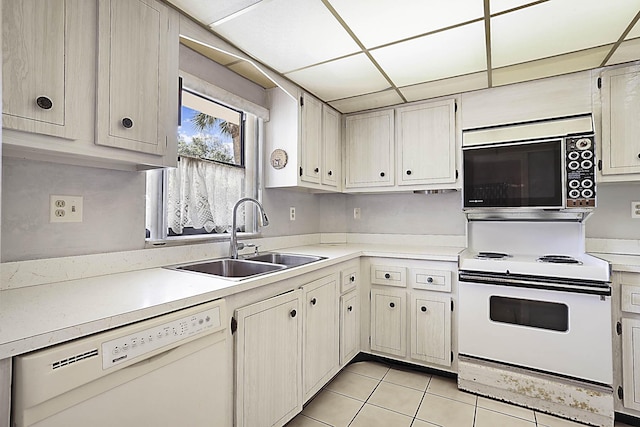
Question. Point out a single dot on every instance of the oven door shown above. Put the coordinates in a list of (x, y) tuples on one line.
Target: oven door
[(565, 333)]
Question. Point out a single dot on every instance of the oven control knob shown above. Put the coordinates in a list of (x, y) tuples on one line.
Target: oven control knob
[(574, 183), (574, 194), (587, 164), (587, 193), (587, 183), (583, 144), (573, 155), (574, 165)]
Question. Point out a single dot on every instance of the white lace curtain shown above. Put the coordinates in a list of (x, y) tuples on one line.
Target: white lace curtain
[(201, 194)]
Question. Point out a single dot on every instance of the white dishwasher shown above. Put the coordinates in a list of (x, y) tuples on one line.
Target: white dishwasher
[(165, 371)]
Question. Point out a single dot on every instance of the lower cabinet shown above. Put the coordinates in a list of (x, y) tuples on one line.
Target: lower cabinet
[(268, 361), (349, 326), (321, 333), (389, 321), (431, 328), (631, 363)]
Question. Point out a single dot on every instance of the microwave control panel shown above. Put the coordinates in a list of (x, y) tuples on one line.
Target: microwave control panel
[(580, 158)]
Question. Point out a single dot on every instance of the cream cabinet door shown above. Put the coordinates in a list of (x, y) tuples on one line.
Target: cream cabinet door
[(426, 138), (331, 166), (39, 54), (132, 75), (321, 333), (631, 363), (389, 321), (431, 328), (268, 361), (311, 139), (370, 149), (349, 326), (620, 121)]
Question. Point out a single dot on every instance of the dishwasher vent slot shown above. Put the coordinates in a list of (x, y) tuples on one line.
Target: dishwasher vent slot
[(74, 359)]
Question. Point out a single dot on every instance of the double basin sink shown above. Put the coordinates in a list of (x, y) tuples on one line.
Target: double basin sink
[(251, 266)]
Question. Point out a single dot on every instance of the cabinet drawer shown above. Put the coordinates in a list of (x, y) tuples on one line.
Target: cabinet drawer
[(631, 298), (433, 280), (349, 279), (388, 275)]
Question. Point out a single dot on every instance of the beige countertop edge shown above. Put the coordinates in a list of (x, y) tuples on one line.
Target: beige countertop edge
[(35, 317), (626, 263)]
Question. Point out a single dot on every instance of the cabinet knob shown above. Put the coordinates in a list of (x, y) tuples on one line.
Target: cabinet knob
[(352, 278), (382, 174), (44, 102), (423, 309), (350, 308), (429, 279), (330, 173), (313, 301), (391, 304), (293, 313), (316, 170), (639, 155), (127, 123), (409, 172), (387, 276)]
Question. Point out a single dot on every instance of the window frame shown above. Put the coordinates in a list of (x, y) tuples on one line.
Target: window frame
[(157, 180)]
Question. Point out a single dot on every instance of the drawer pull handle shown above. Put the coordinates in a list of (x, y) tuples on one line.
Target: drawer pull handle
[(387, 276), (127, 123), (424, 309), (391, 305), (409, 172), (330, 173), (44, 102), (316, 170), (313, 301), (352, 278), (350, 308), (382, 173), (429, 279), (293, 313)]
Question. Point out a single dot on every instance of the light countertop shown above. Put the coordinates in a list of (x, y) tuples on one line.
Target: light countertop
[(34, 317), (628, 263)]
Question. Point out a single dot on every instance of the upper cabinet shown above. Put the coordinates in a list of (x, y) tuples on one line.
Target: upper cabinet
[(90, 82), (620, 89), (426, 138), (302, 143), (410, 148), (132, 75), (369, 150), (40, 75)]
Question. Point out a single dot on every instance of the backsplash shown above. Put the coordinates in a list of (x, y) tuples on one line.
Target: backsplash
[(114, 204)]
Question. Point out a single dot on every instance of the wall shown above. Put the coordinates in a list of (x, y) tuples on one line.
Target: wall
[(113, 210), (612, 218), (276, 203)]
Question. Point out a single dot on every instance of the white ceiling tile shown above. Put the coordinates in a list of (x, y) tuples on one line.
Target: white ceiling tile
[(497, 6), (342, 78), (367, 102), (557, 27), (627, 51), (288, 34), (563, 64), (445, 54), (377, 22), (443, 87)]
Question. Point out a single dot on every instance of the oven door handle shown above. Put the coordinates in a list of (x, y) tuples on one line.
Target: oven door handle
[(603, 290)]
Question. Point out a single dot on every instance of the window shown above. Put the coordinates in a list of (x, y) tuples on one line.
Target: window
[(217, 147)]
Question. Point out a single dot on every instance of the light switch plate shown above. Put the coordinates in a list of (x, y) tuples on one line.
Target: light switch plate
[(65, 208), (635, 209)]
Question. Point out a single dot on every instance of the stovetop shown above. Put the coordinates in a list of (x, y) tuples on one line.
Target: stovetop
[(567, 266)]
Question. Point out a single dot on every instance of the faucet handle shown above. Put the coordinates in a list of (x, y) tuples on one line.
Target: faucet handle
[(245, 245), (256, 252)]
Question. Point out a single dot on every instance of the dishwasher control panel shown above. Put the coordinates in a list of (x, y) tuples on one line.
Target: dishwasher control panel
[(163, 336)]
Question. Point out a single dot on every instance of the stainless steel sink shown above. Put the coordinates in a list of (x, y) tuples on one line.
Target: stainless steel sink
[(289, 260), (232, 268)]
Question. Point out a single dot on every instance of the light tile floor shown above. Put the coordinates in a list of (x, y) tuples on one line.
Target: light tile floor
[(371, 394)]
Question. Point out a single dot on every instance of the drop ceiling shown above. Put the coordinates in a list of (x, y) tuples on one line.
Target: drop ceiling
[(362, 54)]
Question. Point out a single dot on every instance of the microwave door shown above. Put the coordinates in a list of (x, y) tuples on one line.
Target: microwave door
[(528, 175)]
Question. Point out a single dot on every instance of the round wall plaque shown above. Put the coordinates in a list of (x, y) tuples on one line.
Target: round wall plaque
[(279, 158)]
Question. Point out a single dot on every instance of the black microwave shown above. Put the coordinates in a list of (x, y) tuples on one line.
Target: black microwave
[(552, 173)]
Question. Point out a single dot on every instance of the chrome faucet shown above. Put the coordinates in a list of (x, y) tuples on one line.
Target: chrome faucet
[(234, 246)]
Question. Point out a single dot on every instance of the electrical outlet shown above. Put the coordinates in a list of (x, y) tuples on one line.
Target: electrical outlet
[(635, 209), (356, 213), (65, 208), (292, 213)]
